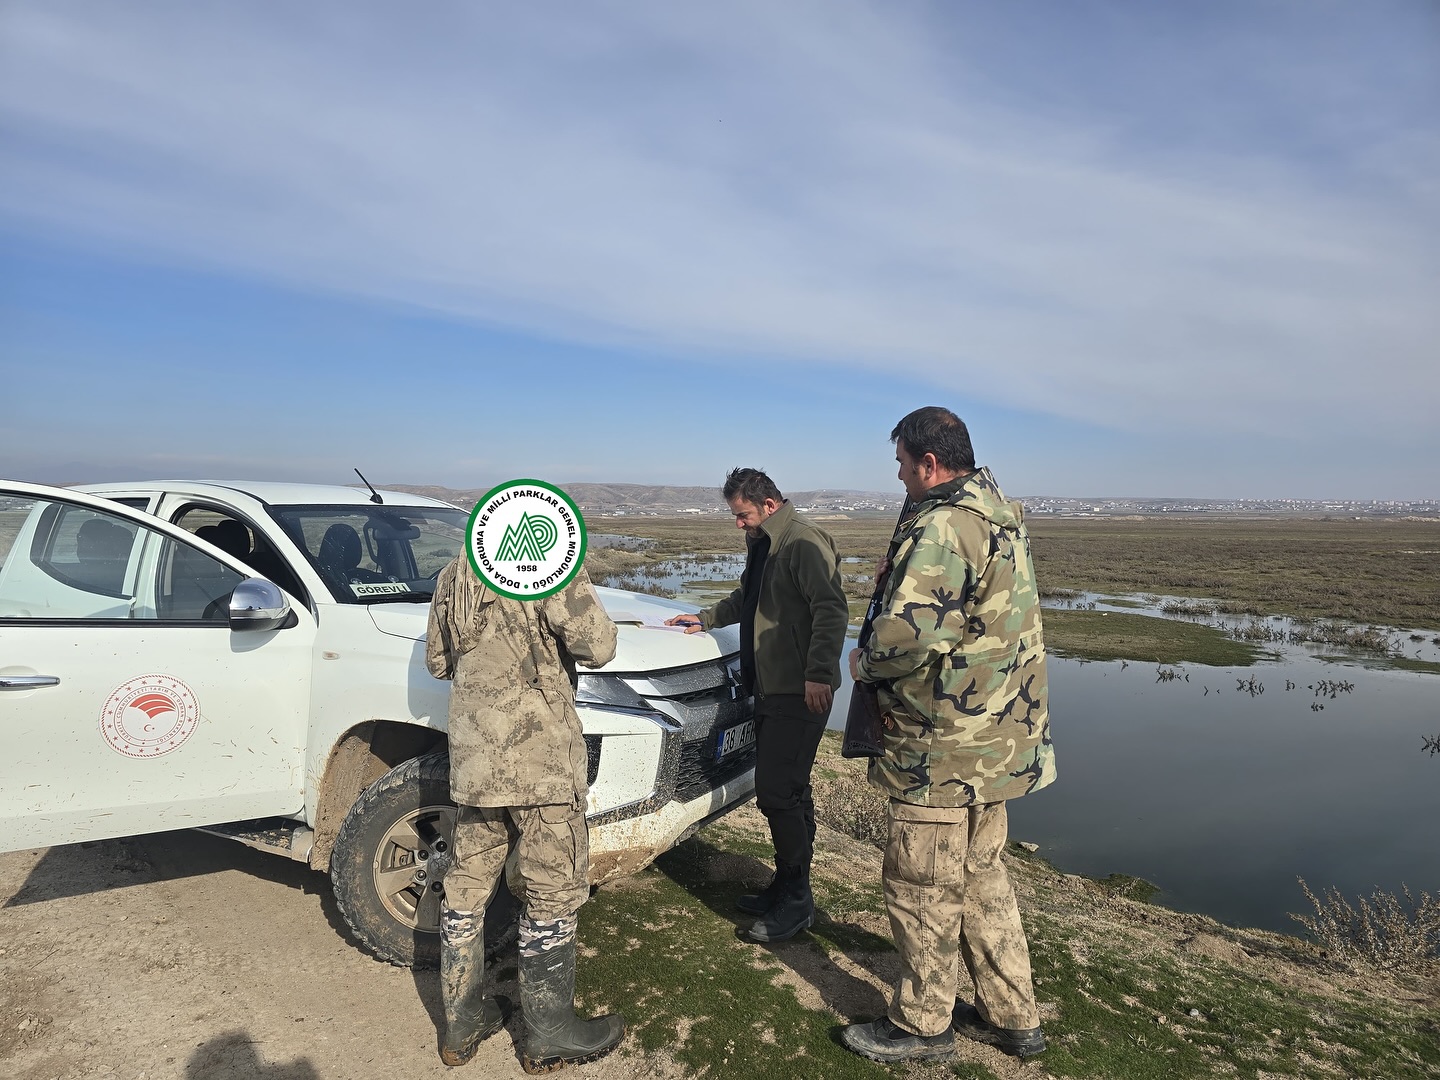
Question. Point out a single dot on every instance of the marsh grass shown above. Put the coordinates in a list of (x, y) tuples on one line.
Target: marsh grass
[(1407, 663), (1194, 608), (1380, 932), (1285, 566), (848, 804), (1118, 635)]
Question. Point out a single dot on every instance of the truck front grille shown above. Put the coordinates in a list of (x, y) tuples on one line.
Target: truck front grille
[(700, 773), (704, 699)]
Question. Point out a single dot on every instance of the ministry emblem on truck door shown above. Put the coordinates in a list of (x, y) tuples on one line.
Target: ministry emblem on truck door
[(148, 716)]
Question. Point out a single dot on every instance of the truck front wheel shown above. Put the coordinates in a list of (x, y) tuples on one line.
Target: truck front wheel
[(389, 864)]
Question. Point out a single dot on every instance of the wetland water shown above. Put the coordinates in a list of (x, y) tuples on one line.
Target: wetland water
[(1222, 798), (1222, 794)]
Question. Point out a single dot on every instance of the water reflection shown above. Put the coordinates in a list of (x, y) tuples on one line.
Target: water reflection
[(1222, 796)]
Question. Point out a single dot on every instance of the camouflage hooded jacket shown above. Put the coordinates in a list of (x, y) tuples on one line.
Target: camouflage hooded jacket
[(515, 739), (959, 654)]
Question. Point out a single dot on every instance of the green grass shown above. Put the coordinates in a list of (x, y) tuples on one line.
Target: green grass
[(971, 1070), (1111, 1004), (1117, 635), (1406, 663), (668, 958), (1132, 888), (662, 949)]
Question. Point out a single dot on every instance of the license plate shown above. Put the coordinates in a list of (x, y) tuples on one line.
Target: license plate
[(735, 738)]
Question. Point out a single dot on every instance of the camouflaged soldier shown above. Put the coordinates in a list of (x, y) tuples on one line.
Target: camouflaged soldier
[(958, 658), (517, 768)]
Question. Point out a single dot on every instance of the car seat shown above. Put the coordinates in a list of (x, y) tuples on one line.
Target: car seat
[(339, 555), (102, 549)]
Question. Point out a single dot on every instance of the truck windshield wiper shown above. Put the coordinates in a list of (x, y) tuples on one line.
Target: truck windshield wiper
[(399, 598)]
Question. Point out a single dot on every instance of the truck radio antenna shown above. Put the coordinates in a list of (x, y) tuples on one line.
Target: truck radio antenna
[(374, 495)]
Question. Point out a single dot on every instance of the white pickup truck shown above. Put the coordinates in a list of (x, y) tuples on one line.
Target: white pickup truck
[(248, 658)]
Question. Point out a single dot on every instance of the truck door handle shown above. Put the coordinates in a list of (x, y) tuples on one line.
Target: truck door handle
[(27, 682)]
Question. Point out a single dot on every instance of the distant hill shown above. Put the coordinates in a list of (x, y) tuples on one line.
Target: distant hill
[(667, 499)]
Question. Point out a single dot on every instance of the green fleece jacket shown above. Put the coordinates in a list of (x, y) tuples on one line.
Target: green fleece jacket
[(802, 615)]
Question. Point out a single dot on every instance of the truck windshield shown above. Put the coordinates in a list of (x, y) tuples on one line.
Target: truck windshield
[(376, 554)]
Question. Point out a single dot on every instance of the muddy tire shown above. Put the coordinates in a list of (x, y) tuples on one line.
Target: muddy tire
[(389, 862)]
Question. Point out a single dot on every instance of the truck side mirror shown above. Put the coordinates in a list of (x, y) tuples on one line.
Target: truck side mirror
[(257, 604)]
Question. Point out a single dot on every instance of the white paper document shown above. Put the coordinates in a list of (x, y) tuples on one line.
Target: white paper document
[(646, 622)]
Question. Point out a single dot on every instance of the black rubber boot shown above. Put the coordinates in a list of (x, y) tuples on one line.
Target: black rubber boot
[(469, 1015), (792, 912), (884, 1041), (1017, 1042), (761, 902), (554, 1035)]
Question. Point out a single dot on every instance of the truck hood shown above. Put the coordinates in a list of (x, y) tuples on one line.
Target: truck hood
[(640, 647)]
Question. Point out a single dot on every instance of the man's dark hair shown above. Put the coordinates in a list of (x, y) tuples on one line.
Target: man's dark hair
[(752, 485), (936, 430)]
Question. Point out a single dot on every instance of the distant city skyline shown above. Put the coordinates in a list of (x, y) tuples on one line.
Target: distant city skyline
[(706, 499), (1180, 250)]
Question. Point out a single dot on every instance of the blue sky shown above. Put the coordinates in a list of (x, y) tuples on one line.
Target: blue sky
[(1144, 249)]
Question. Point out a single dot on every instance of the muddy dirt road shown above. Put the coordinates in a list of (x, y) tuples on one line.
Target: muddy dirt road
[(182, 955)]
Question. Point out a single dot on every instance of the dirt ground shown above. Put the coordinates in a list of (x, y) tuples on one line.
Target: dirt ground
[(186, 956)]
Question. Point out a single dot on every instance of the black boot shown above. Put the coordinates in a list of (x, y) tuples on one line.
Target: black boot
[(887, 1042), (554, 1035), (761, 902), (469, 1015), (966, 1020), (792, 912)]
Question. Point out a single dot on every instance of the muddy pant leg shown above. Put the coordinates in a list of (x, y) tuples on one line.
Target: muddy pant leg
[(553, 858), (787, 736), (481, 843), (992, 939), (924, 880)]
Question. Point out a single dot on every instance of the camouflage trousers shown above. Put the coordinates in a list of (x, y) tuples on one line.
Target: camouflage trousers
[(950, 899), (552, 857)]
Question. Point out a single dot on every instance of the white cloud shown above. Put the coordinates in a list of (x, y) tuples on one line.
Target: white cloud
[(835, 183)]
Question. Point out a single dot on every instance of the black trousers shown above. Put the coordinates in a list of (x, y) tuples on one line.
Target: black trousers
[(787, 735)]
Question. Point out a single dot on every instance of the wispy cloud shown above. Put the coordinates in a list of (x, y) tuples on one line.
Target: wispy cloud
[(1242, 240)]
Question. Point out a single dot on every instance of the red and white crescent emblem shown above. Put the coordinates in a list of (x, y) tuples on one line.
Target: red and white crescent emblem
[(148, 716)]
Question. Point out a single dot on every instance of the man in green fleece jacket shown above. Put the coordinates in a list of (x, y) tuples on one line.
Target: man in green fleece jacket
[(792, 614), (957, 655)]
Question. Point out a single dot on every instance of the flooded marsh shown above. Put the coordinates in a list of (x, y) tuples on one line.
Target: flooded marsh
[(1220, 745)]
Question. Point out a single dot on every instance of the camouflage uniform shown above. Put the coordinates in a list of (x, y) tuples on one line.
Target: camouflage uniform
[(517, 755), (959, 658)]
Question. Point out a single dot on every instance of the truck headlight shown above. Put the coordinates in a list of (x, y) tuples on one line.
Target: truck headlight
[(608, 690)]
